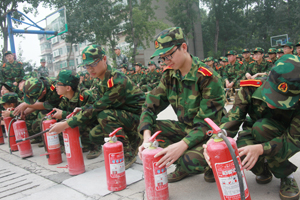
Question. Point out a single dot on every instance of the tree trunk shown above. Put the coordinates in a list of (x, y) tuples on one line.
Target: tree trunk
[(132, 31), (216, 37)]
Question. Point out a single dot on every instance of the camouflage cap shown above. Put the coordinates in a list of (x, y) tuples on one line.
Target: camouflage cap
[(7, 52), (10, 97), (298, 44), (231, 52), (163, 64), (92, 53), (167, 39), (216, 60), (279, 51), (68, 78), (33, 89), (289, 44), (225, 59), (266, 55), (239, 56), (125, 66), (9, 86), (272, 51), (246, 50), (259, 49), (26, 77), (209, 59), (151, 63), (282, 88), (43, 60), (117, 47), (138, 64), (144, 67)]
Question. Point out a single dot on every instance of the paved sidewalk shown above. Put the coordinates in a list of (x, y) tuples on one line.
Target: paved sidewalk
[(34, 179)]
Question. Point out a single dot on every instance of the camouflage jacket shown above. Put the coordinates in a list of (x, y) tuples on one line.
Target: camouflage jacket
[(82, 97), (197, 95), (254, 67), (274, 60), (234, 73), (116, 91), (220, 69), (249, 101), (121, 59), (43, 71), (151, 79), (12, 72), (137, 77), (51, 99), (247, 63), (33, 74), (88, 82)]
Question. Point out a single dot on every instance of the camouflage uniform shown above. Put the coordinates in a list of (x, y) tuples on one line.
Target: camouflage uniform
[(81, 98), (234, 73), (197, 95), (276, 129), (13, 72), (121, 59), (264, 66), (150, 80), (118, 104), (32, 91), (43, 71)]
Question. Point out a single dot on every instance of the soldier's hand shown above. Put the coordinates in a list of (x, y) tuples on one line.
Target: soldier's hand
[(76, 110), (57, 114), (171, 154), (20, 109), (248, 76), (5, 113), (147, 135), (15, 83), (59, 127), (252, 152)]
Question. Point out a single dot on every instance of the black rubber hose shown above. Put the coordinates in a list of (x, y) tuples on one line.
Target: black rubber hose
[(9, 133), (237, 166)]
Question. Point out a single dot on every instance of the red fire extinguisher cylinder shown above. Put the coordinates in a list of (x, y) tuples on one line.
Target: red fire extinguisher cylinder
[(156, 179), (114, 163), (1, 137), (229, 177), (11, 133), (21, 132)]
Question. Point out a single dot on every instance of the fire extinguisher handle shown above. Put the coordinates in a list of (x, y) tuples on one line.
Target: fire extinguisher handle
[(153, 137), (70, 115), (214, 126), (50, 112), (114, 132)]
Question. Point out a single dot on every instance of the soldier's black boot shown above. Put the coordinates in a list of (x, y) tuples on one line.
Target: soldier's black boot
[(209, 176), (265, 177)]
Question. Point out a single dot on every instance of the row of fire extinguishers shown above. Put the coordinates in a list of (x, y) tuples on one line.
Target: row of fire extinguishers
[(229, 177)]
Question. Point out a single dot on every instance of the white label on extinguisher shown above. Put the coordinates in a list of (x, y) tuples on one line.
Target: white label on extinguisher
[(160, 177), (67, 145), (229, 180), (21, 133), (53, 140), (116, 164)]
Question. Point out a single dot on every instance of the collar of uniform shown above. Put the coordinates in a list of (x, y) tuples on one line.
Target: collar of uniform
[(191, 75), (107, 75), (262, 62), (75, 97)]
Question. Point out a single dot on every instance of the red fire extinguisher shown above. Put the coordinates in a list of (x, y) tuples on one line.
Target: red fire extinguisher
[(1, 137), (114, 162), (52, 144), (8, 121), (21, 132), (73, 150), (226, 165), (156, 179)]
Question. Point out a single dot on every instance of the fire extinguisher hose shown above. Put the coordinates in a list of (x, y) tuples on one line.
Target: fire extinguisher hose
[(237, 166), (9, 134)]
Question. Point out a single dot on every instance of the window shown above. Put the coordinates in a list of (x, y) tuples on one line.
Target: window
[(56, 53), (54, 40)]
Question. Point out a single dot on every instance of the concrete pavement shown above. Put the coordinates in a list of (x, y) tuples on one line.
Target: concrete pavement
[(34, 179)]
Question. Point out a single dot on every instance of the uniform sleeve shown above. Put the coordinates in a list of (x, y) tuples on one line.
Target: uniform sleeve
[(225, 73), (53, 101), (235, 117), (241, 73), (211, 106), (287, 144), (112, 98), (22, 73), (156, 101)]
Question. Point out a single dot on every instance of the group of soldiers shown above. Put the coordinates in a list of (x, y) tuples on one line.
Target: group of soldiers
[(267, 104)]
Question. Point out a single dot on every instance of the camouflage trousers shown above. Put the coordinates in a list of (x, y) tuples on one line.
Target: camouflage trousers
[(262, 131), (29, 121), (192, 161), (84, 130), (111, 119)]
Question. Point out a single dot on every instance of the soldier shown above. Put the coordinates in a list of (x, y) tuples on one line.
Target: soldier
[(298, 49), (234, 71), (259, 67), (288, 48), (195, 91), (271, 136), (210, 62), (247, 59), (152, 78), (279, 53), (272, 55), (138, 75), (118, 104), (73, 96), (12, 70), (266, 56), (120, 58), (124, 70), (239, 57), (43, 70)]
